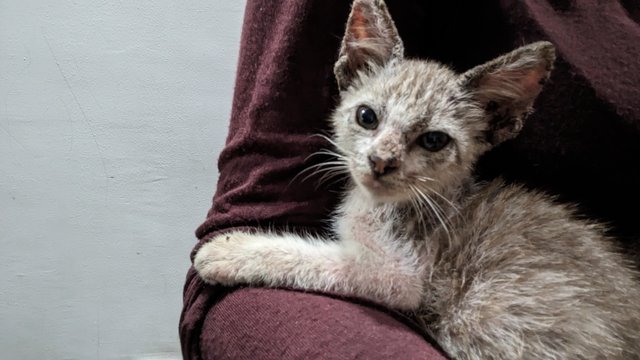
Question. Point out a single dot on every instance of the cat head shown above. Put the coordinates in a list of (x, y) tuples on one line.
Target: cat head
[(406, 124)]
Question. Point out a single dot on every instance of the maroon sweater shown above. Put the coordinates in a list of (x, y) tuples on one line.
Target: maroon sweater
[(582, 144)]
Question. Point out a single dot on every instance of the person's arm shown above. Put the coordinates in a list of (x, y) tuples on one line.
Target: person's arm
[(284, 93)]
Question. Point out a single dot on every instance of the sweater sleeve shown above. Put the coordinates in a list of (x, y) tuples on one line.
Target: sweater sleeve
[(283, 95)]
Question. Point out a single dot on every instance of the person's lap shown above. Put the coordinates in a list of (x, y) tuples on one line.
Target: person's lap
[(259, 323)]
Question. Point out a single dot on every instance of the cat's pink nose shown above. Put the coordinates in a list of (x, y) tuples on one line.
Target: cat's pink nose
[(380, 166)]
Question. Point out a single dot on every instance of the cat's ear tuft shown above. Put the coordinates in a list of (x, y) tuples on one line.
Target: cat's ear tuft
[(507, 87), (371, 39)]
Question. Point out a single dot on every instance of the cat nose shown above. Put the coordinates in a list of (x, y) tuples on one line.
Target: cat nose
[(380, 166)]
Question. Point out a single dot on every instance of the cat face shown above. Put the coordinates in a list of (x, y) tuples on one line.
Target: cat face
[(407, 127)]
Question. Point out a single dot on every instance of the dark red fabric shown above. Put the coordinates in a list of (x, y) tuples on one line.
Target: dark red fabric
[(583, 144), (324, 328)]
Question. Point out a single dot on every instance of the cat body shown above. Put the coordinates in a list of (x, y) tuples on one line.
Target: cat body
[(489, 270)]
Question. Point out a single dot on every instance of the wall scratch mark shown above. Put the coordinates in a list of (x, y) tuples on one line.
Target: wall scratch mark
[(16, 140), (82, 111)]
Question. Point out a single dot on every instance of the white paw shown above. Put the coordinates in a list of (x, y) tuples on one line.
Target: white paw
[(407, 301), (404, 293), (219, 261)]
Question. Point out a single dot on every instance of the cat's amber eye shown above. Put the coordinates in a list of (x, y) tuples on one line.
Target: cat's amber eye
[(367, 118), (434, 140)]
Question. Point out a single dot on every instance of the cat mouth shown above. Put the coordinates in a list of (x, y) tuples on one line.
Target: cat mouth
[(384, 188), (373, 182), (376, 185)]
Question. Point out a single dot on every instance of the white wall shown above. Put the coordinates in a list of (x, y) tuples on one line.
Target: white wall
[(112, 114)]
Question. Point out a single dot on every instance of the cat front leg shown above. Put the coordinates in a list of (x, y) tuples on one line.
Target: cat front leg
[(308, 263)]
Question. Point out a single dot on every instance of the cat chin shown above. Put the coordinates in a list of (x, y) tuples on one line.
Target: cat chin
[(386, 199), (380, 191)]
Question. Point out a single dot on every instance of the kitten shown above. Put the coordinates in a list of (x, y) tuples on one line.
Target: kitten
[(493, 271)]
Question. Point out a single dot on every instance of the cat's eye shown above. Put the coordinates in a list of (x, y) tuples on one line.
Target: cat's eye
[(434, 140), (367, 118)]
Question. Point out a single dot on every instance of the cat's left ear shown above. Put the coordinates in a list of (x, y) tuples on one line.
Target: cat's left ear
[(507, 87), (371, 39)]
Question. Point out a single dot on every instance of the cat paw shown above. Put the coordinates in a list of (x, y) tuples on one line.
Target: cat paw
[(405, 293), (408, 301), (219, 261)]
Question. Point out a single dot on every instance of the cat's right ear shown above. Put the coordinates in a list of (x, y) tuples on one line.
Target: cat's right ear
[(371, 40)]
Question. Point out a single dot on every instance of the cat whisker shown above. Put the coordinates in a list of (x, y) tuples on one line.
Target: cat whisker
[(339, 163), (336, 181), (445, 215), (317, 168), (327, 169), (420, 207), (421, 224), (449, 202), (416, 207), (331, 173), (425, 179), (333, 142), (435, 210), (326, 152)]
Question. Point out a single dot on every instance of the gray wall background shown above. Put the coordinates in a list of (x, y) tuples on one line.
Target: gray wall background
[(112, 114)]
